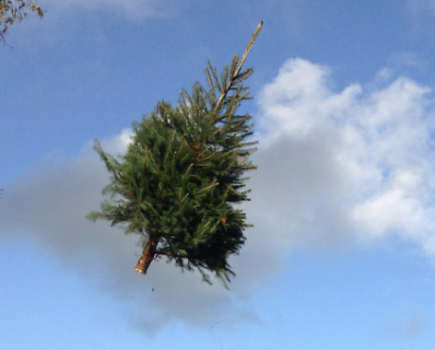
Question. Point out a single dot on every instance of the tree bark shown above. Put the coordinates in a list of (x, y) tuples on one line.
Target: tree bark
[(147, 256)]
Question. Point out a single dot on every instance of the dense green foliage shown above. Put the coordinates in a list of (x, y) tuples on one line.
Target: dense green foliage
[(181, 176)]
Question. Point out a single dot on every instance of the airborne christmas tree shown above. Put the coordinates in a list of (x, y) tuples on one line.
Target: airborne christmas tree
[(181, 175)]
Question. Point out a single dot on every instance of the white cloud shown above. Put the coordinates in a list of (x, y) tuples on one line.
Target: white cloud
[(333, 167), (299, 99), (377, 146)]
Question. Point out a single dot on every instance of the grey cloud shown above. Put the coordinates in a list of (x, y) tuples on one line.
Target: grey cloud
[(48, 207), (414, 326), (300, 183), (322, 158), (410, 327), (293, 189)]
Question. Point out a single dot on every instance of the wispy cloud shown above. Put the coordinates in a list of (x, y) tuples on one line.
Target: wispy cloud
[(409, 327), (135, 9), (333, 168), (419, 11), (414, 326)]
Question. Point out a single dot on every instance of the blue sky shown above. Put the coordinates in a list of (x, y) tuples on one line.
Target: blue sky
[(342, 252)]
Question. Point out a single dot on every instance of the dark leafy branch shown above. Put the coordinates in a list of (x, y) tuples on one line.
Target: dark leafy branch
[(181, 176)]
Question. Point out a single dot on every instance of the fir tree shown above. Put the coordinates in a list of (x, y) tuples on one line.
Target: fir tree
[(181, 176)]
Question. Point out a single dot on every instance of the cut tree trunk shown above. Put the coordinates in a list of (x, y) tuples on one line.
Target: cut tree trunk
[(147, 256)]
